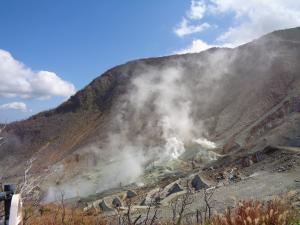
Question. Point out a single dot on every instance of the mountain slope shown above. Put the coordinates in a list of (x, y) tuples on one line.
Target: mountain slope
[(241, 99)]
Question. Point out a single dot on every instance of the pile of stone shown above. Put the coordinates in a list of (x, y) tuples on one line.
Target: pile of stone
[(110, 204), (174, 189)]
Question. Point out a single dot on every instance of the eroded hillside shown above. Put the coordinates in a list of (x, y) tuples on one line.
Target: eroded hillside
[(154, 110)]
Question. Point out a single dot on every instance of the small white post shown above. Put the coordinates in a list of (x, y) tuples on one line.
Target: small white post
[(15, 216)]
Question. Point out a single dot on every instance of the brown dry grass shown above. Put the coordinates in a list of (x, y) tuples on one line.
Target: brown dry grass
[(276, 212), (52, 214)]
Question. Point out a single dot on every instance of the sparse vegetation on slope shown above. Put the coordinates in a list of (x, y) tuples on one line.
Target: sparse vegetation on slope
[(241, 98), (275, 212)]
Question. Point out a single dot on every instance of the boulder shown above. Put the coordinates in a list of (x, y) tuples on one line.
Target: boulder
[(198, 184), (174, 188), (116, 202), (130, 194), (152, 197), (105, 207)]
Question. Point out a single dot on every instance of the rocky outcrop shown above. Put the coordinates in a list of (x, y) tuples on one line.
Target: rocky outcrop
[(116, 202), (198, 184), (131, 194), (174, 189), (104, 207)]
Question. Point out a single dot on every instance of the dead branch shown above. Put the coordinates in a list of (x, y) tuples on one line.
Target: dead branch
[(154, 217), (208, 207), (128, 214), (2, 139), (186, 201), (62, 203), (137, 219), (174, 206)]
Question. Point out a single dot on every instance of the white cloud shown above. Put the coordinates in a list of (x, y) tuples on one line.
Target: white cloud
[(254, 18), (184, 28), (187, 25), (196, 46), (251, 19), (17, 80), (197, 10), (15, 106)]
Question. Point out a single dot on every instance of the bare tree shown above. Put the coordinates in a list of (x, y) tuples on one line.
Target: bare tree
[(174, 206), (29, 188), (180, 205), (204, 215), (63, 208), (2, 139), (207, 197), (186, 201), (150, 218), (154, 217), (128, 214), (153, 203)]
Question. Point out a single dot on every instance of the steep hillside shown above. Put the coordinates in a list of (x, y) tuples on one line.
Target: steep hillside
[(239, 99)]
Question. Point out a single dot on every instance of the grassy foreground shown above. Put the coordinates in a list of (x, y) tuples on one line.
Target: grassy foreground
[(275, 212)]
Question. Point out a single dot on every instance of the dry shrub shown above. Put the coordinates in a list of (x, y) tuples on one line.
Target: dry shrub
[(52, 214), (275, 212)]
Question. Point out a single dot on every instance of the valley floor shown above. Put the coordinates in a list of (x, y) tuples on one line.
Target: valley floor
[(274, 173)]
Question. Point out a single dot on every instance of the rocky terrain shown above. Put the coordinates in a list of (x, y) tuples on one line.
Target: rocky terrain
[(228, 118)]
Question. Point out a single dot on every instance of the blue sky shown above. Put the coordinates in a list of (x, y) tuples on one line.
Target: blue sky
[(49, 49)]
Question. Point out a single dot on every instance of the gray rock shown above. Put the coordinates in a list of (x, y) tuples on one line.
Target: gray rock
[(198, 184), (116, 202), (104, 207), (175, 188), (130, 194), (152, 197)]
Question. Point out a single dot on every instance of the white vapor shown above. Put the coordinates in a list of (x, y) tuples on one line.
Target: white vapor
[(151, 124), (206, 143), (14, 106), (17, 80)]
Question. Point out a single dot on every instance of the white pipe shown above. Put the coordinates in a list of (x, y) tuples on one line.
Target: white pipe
[(15, 216)]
